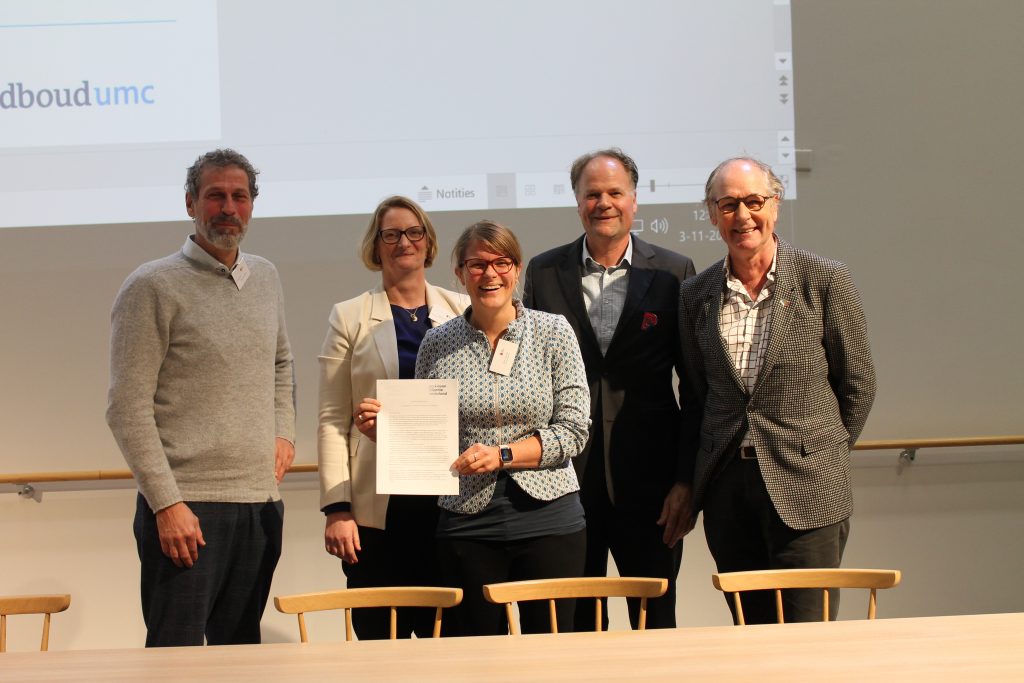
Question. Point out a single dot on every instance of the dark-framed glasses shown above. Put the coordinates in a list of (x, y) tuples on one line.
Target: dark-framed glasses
[(394, 235), (478, 266), (754, 203)]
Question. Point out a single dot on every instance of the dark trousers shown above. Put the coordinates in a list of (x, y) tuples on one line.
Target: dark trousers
[(222, 596), (635, 541), (401, 554), (745, 533), (470, 564)]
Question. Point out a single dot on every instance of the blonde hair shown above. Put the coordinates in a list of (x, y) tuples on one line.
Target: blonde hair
[(368, 250)]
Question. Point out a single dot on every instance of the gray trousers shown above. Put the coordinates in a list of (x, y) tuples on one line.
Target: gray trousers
[(221, 598), (745, 533)]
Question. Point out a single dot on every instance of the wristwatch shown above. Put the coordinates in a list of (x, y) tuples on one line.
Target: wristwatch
[(506, 455)]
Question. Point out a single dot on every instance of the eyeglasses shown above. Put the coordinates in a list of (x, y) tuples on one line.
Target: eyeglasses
[(394, 235), (754, 203), (478, 266)]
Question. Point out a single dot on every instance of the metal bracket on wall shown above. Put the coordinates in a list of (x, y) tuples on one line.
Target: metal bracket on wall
[(907, 457), (30, 491)]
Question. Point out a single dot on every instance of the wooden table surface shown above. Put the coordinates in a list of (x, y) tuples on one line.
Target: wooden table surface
[(969, 648)]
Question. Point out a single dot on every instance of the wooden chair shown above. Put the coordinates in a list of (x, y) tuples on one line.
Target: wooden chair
[(596, 587), (354, 598), (780, 579), (31, 604)]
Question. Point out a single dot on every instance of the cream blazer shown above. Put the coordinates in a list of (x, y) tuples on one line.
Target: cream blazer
[(361, 347)]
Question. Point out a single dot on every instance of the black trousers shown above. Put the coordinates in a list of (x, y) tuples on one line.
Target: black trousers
[(470, 564), (221, 598), (634, 539), (401, 554), (745, 533)]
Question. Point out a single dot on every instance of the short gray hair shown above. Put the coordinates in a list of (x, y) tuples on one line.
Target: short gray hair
[(219, 158), (776, 186)]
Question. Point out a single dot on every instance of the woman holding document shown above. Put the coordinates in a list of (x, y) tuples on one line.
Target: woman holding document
[(382, 540), (524, 412)]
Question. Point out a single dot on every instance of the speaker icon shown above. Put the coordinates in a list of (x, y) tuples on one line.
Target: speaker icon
[(659, 225)]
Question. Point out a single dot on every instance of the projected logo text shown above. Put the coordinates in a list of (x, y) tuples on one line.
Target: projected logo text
[(15, 95)]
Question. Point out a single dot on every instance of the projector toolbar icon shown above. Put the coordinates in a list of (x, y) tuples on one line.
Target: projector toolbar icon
[(659, 225)]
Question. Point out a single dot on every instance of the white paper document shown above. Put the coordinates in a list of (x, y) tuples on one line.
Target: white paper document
[(417, 436)]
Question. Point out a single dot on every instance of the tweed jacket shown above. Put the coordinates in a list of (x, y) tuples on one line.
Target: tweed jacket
[(632, 397), (545, 394), (361, 347), (811, 398)]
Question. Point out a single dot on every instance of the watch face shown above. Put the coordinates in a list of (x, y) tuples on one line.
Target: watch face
[(506, 455)]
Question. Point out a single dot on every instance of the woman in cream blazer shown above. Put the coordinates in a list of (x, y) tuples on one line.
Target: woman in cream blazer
[(382, 540)]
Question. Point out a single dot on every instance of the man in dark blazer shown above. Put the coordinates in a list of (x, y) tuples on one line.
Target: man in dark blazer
[(777, 384), (620, 295)]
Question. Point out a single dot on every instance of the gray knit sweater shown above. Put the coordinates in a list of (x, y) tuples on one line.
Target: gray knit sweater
[(201, 379)]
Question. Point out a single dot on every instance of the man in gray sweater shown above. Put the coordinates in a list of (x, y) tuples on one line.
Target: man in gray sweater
[(201, 405)]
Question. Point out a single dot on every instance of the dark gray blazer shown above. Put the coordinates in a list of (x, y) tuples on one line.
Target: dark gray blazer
[(812, 396), (630, 386)]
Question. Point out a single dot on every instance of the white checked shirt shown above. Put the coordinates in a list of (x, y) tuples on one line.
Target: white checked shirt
[(604, 293), (745, 325)]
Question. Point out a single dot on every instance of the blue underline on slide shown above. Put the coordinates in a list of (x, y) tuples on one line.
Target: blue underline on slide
[(92, 23)]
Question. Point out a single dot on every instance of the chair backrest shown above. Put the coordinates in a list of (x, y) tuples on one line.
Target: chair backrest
[(354, 598), (31, 604), (596, 587), (779, 579)]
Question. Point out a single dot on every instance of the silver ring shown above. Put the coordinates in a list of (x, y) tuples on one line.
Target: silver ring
[(362, 418)]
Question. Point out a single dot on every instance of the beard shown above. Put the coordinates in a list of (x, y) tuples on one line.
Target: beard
[(218, 236)]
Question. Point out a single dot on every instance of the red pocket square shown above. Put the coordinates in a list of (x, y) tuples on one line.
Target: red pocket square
[(650, 320)]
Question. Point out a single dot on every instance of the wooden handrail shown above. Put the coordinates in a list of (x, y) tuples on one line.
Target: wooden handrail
[(880, 445), (969, 441), (96, 475)]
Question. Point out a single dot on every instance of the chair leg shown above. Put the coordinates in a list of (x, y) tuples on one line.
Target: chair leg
[(871, 605), (303, 634), (45, 644), (437, 623), (553, 616), (738, 604), (511, 620), (824, 604), (778, 607), (348, 625), (598, 616), (393, 631), (3, 633), (642, 621)]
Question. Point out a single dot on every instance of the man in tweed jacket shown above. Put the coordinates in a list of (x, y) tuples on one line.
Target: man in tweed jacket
[(777, 386)]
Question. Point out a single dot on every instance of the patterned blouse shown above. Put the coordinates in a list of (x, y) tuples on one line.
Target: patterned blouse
[(546, 394)]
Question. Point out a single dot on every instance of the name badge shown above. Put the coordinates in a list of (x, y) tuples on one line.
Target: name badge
[(240, 273), (504, 357)]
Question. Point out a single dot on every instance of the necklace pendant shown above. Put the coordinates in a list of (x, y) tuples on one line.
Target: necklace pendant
[(412, 316)]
